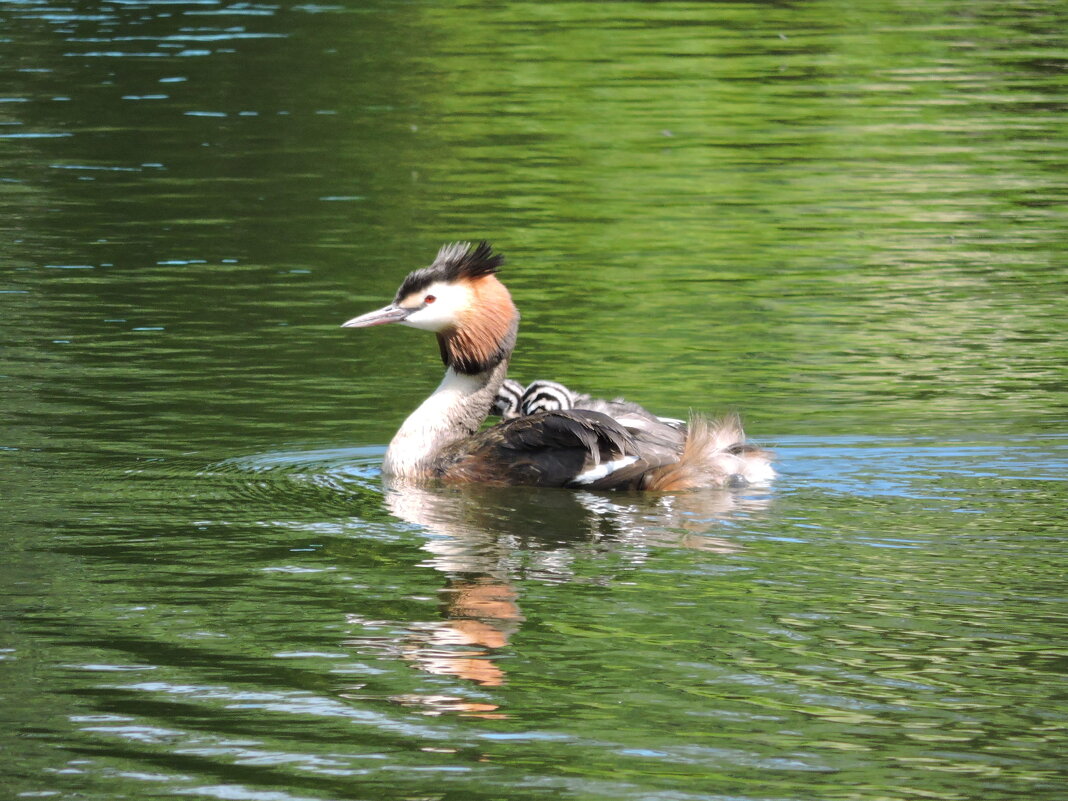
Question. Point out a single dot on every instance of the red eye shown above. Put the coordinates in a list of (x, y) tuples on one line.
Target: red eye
[(429, 299)]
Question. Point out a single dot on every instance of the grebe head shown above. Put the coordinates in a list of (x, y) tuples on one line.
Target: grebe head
[(508, 403), (546, 396), (459, 298)]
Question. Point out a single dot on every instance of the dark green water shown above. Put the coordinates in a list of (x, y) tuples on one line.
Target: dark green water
[(846, 220)]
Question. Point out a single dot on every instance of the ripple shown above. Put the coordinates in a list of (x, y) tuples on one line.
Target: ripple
[(343, 480)]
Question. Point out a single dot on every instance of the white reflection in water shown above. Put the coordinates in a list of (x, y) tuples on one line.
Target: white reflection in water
[(484, 539)]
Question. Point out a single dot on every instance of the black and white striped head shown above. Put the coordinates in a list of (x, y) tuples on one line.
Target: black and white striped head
[(509, 400), (546, 396)]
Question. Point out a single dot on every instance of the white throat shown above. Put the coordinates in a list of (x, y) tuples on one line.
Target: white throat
[(454, 411)]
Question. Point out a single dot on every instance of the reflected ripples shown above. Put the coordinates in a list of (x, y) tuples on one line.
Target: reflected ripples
[(848, 226), (305, 625)]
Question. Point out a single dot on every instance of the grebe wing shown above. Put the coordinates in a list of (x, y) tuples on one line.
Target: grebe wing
[(565, 448)]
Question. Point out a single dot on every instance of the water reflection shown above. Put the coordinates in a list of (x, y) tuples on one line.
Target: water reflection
[(842, 224), (483, 540)]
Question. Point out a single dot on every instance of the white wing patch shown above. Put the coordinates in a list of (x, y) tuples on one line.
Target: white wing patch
[(602, 470)]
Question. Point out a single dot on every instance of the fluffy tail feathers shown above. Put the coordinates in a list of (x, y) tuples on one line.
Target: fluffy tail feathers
[(715, 454)]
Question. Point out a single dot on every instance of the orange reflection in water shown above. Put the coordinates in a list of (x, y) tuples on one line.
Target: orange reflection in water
[(481, 613), (480, 539)]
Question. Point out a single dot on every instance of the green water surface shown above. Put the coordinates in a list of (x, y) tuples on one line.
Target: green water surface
[(846, 221)]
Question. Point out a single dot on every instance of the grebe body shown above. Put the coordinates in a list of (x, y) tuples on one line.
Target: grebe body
[(461, 300)]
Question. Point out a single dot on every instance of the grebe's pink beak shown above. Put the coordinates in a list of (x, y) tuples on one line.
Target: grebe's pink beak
[(387, 314)]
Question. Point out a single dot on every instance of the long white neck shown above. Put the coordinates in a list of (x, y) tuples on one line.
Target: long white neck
[(453, 412)]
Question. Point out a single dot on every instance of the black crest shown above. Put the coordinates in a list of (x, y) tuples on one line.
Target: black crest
[(454, 262)]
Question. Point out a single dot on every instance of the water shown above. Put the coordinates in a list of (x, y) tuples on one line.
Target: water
[(846, 222)]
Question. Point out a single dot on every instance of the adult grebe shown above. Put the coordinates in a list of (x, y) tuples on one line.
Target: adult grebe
[(459, 298)]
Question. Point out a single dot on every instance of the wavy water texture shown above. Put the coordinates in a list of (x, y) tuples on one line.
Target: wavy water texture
[(842, 220)]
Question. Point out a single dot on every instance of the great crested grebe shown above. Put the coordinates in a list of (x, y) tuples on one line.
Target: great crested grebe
[(459, 298), (546, 396), (509, 400)]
